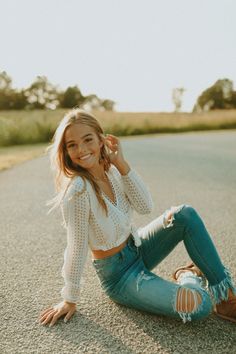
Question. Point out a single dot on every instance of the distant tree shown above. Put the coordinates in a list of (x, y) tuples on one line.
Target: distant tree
[(233, 99), (5, 88), (91, 102), (221, 95), (108, 105), (71, 97), (4, 100), (177, 96), (9, 97), (42, 94), (5, 81), (17, 99)]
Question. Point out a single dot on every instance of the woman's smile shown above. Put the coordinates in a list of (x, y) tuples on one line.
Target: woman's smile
[(86, 157)]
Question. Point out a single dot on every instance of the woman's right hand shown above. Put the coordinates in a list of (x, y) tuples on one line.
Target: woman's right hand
[(54, 313)]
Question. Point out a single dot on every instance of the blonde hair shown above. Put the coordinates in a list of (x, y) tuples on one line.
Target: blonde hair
[(62, 166)]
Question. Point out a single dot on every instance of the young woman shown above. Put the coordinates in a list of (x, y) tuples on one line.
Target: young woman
[(98, 191)]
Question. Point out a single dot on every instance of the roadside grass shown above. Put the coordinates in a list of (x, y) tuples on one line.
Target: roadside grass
[(25, 135), (29, 127), (13, 155), (149, 123)]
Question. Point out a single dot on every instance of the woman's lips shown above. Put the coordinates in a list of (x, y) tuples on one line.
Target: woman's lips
[(85, 157)]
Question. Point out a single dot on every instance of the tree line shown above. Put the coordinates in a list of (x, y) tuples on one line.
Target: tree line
[(220, 95), (42, 94)]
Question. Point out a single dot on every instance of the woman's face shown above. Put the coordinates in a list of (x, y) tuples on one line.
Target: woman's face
[(83, 145)]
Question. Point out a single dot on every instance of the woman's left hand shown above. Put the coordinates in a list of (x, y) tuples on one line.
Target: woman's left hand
[(116, 154)]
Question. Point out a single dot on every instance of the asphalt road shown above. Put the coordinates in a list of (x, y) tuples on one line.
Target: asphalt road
[(193, 168)]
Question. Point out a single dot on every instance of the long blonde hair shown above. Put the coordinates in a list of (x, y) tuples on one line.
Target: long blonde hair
[(62, 166)]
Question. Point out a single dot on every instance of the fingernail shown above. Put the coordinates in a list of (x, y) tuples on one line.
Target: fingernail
[(65, 320)]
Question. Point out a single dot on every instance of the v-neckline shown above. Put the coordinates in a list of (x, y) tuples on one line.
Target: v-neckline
[(113, 190)]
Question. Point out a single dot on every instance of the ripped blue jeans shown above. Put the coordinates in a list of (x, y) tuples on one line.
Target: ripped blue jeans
[(127, 279)]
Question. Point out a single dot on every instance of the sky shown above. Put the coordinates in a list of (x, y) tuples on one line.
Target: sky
[(134, 52)]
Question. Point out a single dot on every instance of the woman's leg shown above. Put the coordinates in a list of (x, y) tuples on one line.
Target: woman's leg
[(144, 290), (182, 223)]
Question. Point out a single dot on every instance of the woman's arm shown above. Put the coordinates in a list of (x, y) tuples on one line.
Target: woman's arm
[(135, 189), (75, 210), (76, 214)]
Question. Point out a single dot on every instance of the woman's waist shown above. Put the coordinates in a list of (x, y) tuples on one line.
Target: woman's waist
[(99, 254)]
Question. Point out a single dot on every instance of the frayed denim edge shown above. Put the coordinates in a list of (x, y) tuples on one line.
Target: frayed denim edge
[(219, 291)]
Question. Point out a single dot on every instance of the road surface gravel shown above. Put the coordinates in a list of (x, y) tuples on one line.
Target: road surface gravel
[(193, 168)]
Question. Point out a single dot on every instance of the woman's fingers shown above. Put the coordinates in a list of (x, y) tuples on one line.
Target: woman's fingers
[(59, 314), (112, 143), (69, 315), (53, 313), (55, 318), (45, 311), (48, 317), (112, 146), (112, 138)]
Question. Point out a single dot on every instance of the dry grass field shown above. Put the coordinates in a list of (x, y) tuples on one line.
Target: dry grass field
[(28, 127), (13, 155), (25, 134)]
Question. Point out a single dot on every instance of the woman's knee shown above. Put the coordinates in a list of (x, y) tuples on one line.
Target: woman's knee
[(188, 214), (169, 215), (192, 304)]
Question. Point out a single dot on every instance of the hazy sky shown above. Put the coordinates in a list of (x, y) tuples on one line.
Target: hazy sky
[(132, 51)]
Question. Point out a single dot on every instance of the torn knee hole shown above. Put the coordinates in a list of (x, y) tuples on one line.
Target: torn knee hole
[(188, 300), (168, 219), (169, 215)]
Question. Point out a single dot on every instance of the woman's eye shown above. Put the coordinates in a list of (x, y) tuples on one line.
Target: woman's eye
[(71, 145), (89, 139)]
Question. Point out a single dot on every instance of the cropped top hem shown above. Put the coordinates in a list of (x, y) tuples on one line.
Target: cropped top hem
[(114, 244)]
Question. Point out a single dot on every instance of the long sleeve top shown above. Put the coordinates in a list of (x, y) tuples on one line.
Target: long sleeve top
[(88, 226)]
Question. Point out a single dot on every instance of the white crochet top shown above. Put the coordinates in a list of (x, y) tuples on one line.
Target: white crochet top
[(88, 226)]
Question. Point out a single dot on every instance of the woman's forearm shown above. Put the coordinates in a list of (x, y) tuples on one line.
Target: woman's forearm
[(123, 168)]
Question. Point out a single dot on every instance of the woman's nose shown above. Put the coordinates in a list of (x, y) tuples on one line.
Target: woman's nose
[(81, 149)]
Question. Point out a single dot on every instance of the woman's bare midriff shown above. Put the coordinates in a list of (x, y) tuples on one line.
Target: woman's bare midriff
[(98, 254)]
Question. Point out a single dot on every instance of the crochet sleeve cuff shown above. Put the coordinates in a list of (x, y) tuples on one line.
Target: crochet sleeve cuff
[(76, 215), (137, 192)]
